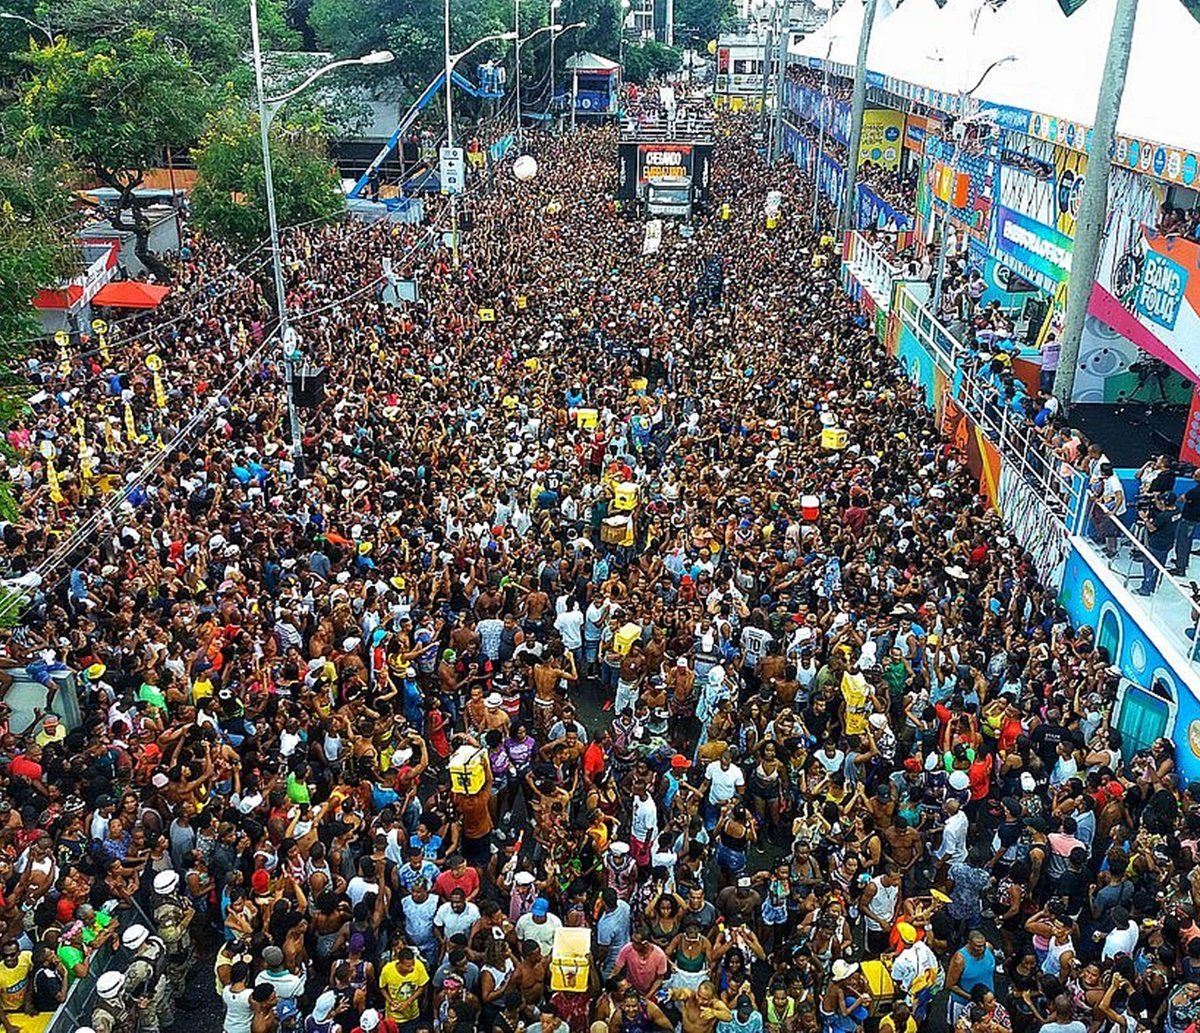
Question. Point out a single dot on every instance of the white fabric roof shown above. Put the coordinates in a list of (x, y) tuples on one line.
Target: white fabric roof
[(1059, 61)]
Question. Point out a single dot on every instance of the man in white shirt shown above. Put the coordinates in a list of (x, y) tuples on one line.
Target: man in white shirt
[(953, 848), (723, 780), (539, 925), (456, 915), (1123, 938), (569, 624)]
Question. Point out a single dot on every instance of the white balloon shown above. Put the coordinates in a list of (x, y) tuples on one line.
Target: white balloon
[(525, 167)]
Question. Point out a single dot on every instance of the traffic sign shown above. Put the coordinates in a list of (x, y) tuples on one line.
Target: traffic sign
[(452, 170)]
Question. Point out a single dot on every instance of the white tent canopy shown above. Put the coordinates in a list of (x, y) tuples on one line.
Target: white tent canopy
[(1058, 61)]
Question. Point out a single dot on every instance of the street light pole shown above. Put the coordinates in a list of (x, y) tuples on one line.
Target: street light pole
[(551, 17), (625, 5), (965, 106), (286, 334), (267, 108), (850, 193), (1093, 201), (517, 75), (767, 8), (821, 133), (777, 126)]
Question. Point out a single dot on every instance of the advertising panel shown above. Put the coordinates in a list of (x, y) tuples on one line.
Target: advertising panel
[(663, 159), (983, 460), (882, 134), (1040, 253)]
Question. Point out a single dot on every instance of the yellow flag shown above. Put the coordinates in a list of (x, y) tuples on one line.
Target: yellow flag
[(160, 393), (130, 426), (51, 475), (487, 315), (521, 302)]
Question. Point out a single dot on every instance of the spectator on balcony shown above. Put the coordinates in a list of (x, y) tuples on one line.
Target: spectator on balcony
[(1158, 515)]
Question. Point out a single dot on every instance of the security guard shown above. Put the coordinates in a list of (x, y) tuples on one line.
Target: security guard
[(112, 1012), (173, 916), (146, 979)]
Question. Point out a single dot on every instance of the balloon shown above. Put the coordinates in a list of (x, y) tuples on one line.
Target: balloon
[(525, 167)]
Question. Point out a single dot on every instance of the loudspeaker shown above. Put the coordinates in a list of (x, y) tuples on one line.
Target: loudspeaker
[(309, 386)]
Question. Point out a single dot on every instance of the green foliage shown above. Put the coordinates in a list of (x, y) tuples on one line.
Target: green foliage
[(649, 59), (229, 200), (115, 104), (704, 17), (212, 33), (35, 218)]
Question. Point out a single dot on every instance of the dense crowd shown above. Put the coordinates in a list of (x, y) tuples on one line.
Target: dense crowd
[(622, 658)]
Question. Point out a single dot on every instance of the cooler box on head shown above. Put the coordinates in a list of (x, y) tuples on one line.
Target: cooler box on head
[(569, 965), (617, 530), (638, 385), (625, 636), (586, 419), (835, 438), (467, 772), (883, 990), (625, 496)]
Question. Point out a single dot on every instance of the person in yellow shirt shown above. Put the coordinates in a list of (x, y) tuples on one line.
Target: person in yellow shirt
[(16, 966), (899, 1021), (403, 982)]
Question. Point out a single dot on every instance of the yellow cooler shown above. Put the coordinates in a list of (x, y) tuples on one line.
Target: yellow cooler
[(467, 771), (638, 384), (569, 965), (835, 438), (625, 496), (625, 637)]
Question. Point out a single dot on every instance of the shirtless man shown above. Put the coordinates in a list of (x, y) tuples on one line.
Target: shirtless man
[(701, 1009), (546, 675), (530, 976), (636, 1013)]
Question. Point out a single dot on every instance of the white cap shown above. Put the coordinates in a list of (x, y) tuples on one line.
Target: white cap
[(165, 882), (369, 1019), (110, 985), (619, 847), (959, 780), (135, 936), (1028, 783), (524, 878), (493, 700)]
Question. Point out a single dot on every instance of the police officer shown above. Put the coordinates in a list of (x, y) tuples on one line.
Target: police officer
[(172, 917), (112, 1012), (146, 979)]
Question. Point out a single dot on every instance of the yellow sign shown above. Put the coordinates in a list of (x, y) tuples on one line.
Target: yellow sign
[(154, 363), (521, 302), (882, 137), (487, 315), (130, 426), (160, 394), (62, 338)]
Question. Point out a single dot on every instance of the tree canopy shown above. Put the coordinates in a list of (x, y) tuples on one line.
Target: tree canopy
[(229, 199)]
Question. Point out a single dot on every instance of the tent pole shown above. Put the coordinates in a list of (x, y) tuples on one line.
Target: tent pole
[(1093, 201)]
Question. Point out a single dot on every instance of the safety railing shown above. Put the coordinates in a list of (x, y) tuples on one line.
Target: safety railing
[(1172, 604), (871, 269), (1061, 487), (941, 345)]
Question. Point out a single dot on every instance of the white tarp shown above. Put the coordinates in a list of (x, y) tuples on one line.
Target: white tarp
[(1059, 61)]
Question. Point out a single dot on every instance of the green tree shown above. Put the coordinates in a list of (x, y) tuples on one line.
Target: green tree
[(704, 17), (229, 200), (115, 105), (649, 60), (36, 218), (213, 33)]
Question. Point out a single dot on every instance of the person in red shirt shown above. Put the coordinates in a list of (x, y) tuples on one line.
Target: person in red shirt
[(458, 876), (595, 757)]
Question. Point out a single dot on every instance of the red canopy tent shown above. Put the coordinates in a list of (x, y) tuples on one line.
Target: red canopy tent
[(130, 294)]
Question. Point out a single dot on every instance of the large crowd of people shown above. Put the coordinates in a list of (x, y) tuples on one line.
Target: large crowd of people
[(621, 657)]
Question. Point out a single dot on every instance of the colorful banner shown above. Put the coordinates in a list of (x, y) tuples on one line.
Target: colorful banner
[(982, 458), (916, 128), (882, 133), (1043, 253)]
